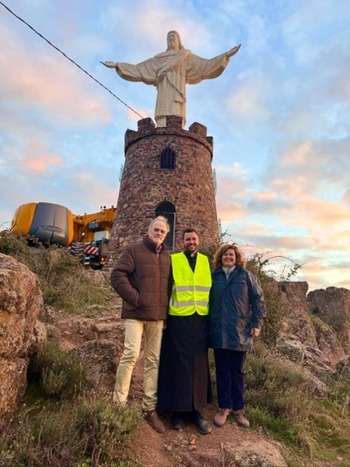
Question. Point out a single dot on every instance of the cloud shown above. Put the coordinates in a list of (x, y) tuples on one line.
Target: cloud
[(268, 202), (38, 160), (87, 186), (47, 84), (151, 21), (232, 189), (264, 238), (42, 163), (249, 100), (346, 198)]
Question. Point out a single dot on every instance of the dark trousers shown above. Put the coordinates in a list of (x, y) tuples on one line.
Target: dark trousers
[(230, 378)]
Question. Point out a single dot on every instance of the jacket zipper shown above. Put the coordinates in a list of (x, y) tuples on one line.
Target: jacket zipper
[(159, 271)]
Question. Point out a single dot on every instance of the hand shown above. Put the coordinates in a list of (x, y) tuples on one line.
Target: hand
[(234, 50), (109, 64), (255, 332)]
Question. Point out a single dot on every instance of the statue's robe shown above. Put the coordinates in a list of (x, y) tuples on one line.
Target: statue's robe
[(170, 71)]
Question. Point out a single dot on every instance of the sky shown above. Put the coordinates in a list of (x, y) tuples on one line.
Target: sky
[(279, 115)]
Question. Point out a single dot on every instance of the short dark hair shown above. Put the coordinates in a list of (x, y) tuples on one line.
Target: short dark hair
[(189, 230)]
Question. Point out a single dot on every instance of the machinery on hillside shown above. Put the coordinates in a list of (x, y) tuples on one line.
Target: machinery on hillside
[(86, 236)]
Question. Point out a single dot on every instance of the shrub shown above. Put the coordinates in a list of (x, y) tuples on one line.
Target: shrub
[(16, 246), (65, 283), (279, 400), (273, 319), (105, 428), (59, 373), (85, 431)]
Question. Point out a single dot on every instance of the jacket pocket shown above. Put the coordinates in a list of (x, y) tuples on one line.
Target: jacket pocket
[(128, 306)]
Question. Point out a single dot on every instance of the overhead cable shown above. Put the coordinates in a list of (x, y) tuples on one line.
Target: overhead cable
[(68, 58)]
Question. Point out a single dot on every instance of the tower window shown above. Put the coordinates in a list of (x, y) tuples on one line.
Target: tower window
[(167, 210), (167, 159)]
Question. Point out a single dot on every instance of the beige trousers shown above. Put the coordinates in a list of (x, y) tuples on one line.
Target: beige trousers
[(152, 332)]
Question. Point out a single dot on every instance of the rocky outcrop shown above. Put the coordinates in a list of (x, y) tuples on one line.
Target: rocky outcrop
[(315, 331), (332, 306), (296, 318), (20, 331)]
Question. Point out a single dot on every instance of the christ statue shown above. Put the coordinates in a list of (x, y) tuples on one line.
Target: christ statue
[(170, 71)]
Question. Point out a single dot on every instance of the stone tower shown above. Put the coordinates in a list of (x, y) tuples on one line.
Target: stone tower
[(167, 172)]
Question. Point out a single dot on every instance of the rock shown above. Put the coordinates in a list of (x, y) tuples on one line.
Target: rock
[(332, 305), (316, 362), (343, 368), (266, 454), (13, 384), (327, 340), (20, 304), (38, 338), (316, 328), (296, 316), (291, 347), (100, 359)]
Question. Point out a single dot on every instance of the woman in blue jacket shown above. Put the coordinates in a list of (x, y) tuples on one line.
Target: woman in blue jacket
[(236, 310)]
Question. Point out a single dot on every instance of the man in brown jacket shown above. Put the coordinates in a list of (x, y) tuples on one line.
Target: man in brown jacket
[(140, 277)]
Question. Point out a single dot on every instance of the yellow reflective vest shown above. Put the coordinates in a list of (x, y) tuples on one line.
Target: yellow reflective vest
[(190, 292)]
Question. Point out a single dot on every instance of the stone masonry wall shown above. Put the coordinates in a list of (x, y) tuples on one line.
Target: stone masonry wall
[(144, 185)]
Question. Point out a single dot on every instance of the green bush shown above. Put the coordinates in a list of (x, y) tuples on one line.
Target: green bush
[(278, 398), (273, 319), (17, 247), (86, 431), (65, 284), (105, 428), (59, 373), (64, 424)]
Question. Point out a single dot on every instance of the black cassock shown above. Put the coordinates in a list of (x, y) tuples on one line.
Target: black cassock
[(184, 381)]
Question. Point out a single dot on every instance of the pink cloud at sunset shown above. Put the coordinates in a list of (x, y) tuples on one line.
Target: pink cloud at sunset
[(317, 214), (42, 163), (38, 160), (51, 85)]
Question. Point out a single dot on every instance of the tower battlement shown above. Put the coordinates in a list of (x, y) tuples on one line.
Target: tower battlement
[(167, 172), (146, 128)]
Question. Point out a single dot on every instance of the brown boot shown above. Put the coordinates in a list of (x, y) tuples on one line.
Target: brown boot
[(221, 416), (241, 419), (152, 418)]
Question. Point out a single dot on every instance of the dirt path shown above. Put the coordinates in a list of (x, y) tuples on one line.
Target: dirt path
[(229, 446)]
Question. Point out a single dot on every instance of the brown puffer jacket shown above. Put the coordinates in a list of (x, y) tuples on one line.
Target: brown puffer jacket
[(141, 277)]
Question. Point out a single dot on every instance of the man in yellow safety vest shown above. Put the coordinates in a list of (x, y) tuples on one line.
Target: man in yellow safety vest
[(184, 384)]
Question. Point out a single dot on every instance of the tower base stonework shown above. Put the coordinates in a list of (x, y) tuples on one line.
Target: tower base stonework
[(168, 172)]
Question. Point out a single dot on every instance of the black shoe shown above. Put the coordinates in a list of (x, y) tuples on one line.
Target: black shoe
[(176, 422), (202, 425)]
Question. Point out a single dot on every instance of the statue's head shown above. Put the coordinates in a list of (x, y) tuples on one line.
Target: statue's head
[(174, 40)]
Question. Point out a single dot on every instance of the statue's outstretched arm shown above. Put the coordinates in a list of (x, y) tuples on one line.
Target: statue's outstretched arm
[(110, 64), (234, 50)]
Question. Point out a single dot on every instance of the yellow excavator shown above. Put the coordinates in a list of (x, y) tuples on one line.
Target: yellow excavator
[(86, 236)]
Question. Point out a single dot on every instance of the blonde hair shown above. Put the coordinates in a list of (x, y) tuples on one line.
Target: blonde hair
[(222, 250)]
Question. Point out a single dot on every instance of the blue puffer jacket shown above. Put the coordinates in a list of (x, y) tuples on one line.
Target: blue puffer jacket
[(236, 306)]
